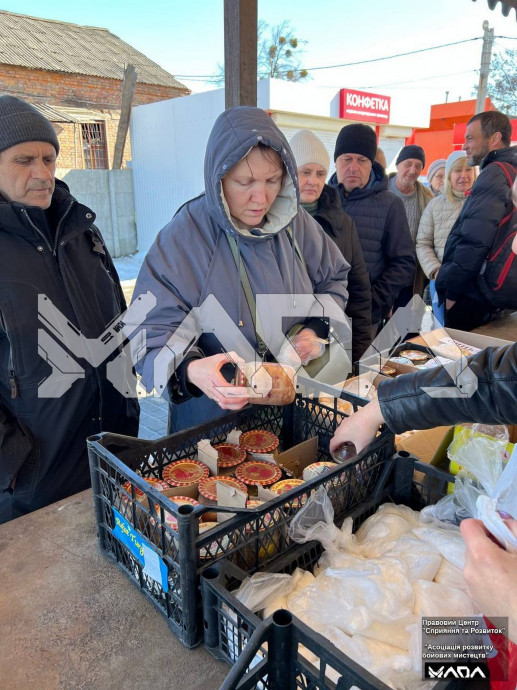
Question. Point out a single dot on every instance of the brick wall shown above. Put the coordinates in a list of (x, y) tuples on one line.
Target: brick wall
[(79, 91)]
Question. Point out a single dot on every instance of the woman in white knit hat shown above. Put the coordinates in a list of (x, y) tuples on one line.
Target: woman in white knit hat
[(323, 203), (440, 215)]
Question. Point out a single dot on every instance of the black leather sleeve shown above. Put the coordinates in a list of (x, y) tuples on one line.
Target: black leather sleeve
[(487, 393)]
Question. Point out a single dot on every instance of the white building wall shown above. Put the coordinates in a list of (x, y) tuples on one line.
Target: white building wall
[(168, 141)]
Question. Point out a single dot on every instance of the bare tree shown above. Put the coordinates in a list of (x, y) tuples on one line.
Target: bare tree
[(278, 54), (502, 81)]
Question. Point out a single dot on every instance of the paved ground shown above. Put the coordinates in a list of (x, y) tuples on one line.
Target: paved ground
[(153, 417), (153, 410)]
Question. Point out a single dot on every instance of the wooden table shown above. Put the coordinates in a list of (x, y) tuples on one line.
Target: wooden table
[(69, 618)]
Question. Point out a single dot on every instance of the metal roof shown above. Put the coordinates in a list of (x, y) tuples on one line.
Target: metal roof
[(65, 114), (62, 47), (506, 6)]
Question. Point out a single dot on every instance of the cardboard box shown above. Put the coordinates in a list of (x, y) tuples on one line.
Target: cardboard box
[(434, 341), (297, 458), (428, 445), (377, 360)]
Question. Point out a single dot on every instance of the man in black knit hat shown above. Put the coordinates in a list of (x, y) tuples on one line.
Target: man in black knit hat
[(379, 217), (52, 259), (415, 197)]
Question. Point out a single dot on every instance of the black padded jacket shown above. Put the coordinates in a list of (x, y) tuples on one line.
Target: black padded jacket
[(382, 227), (473, 232), (341, 228)]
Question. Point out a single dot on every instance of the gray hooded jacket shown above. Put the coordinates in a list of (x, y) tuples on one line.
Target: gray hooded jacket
[(191, 262)]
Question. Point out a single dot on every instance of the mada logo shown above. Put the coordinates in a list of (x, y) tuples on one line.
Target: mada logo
[(464, 671)]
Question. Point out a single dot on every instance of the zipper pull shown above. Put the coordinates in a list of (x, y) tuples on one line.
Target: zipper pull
[(14, 385)]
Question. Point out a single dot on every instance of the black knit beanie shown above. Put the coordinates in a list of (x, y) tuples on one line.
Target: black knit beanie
[(21, 122), (358, 139), (411, 151)]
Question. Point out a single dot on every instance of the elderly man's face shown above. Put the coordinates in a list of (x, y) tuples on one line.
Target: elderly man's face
[(408, 172), (27, 173), (353, 170)]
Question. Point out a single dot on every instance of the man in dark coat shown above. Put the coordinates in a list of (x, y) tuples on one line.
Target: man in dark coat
[(378, 214), (58, 286), (487, 142), (323, 203)]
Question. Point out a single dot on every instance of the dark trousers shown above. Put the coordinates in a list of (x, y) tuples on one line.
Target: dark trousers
[(467, 314)]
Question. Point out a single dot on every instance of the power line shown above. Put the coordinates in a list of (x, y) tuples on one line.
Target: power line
[(364, 62), (397, 55), (412, 81), (359, 62)]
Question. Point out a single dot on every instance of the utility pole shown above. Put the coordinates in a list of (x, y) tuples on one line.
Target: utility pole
[(486, 56), (128, 91), (240, 52)]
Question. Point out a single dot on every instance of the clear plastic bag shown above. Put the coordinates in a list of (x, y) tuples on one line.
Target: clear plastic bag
[(486, 487), (316, 521), (258, 591)]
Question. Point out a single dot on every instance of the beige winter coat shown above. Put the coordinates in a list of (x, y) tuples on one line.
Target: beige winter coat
[(435, 225)]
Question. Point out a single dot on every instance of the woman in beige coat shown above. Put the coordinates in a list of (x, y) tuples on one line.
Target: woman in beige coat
[(440, 214)]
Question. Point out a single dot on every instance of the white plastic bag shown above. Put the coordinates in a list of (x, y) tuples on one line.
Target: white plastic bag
[(486, 487), (446, 539), (316, 521), (258, 591)]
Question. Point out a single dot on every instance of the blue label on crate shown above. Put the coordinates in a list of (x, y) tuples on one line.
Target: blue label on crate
[(141, 549)]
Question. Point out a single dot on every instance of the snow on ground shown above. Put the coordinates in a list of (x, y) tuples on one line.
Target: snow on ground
[(128, 266)]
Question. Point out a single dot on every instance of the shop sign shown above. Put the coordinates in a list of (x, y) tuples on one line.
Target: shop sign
[(364, 107)]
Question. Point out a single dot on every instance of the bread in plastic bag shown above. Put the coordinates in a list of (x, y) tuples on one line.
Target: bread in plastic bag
[(486, 488), (450, 576), (421, 558), (433, 599), (446, 539), (385, 526), (258, 591)]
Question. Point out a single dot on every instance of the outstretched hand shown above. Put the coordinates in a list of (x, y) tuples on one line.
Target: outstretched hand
[(491, 573), (360, 428), (301, 348), (206, 374)]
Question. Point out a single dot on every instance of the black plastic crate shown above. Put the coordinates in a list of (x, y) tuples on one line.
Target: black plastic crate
[(252, 538), (236, 635), (272, 660)]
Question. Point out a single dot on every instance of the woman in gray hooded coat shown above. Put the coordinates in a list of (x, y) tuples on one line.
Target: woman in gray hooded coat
[(235, 270)]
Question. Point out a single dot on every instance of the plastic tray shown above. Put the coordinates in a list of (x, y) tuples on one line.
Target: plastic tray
[(238, 636), (251, 538)]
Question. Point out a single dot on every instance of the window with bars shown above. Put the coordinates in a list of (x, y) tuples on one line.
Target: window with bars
[(94, 145)]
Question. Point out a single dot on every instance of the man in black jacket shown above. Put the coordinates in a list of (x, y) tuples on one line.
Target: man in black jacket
[(487, 141), (322, 202), (58, 286), (378, 214)]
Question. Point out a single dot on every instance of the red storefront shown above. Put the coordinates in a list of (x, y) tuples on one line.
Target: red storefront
[(446, 131)]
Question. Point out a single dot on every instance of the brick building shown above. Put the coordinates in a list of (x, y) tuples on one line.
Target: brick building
[(73, 75)]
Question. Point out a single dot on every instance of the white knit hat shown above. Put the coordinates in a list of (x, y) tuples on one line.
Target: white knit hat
[(434, 167), (307, 148), (453, 157)]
